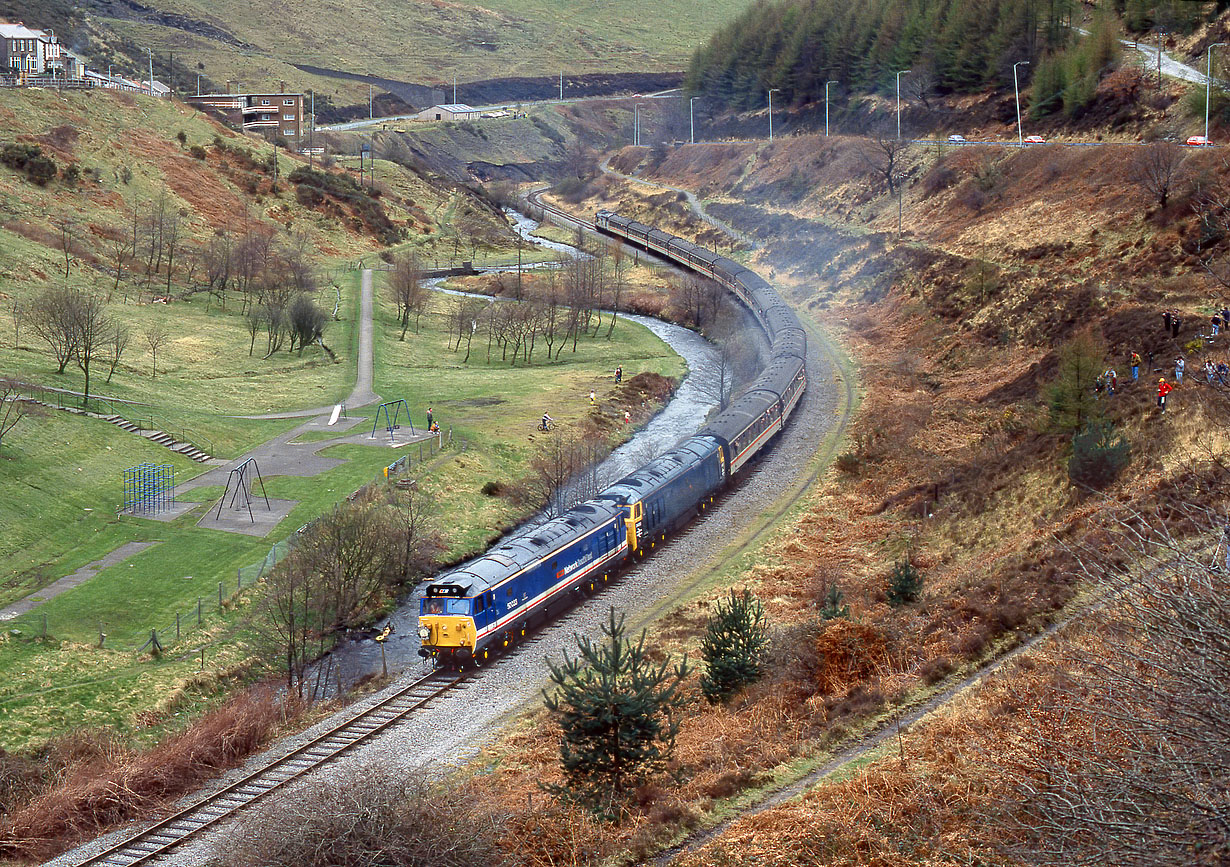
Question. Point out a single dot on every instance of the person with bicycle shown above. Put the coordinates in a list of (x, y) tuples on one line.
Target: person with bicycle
[(547, 422)]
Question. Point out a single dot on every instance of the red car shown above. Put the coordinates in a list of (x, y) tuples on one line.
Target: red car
[(1198, 141), (1034, 139)]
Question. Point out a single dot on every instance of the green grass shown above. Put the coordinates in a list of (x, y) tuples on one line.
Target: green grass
[(59, 517)]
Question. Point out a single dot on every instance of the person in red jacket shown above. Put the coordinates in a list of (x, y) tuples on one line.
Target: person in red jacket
[(1163, 389)]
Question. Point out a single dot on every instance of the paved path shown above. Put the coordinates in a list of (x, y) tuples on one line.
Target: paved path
[(68, 582), (280, 456), (362, 394)]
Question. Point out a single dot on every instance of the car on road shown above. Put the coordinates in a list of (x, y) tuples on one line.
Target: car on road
[(1198, 141), (1034, 139), (957, 138)]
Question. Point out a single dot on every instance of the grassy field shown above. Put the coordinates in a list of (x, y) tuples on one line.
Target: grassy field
[(62, 481), (427, 43)]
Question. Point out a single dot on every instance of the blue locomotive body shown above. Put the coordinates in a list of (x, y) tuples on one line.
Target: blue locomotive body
[(491, 600)]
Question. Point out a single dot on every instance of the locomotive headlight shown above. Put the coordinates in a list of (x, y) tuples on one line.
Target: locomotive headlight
[(424, 633)]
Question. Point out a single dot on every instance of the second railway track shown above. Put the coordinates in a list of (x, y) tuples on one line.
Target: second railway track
[(159, 839)]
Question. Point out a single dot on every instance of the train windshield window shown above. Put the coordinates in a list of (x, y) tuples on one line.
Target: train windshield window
[(446, 606)]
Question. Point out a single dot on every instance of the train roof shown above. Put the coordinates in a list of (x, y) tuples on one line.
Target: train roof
[(636, 484), (749, 406), (516, 553)]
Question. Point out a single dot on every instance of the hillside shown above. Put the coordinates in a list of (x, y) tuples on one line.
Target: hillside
[(422, 43)]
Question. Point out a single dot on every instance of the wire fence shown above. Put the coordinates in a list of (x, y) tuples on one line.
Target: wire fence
[(184, 623)]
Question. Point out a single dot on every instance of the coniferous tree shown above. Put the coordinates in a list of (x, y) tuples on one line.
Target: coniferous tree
[(736, 640), (616, 709), (904, 583), (832, 608)]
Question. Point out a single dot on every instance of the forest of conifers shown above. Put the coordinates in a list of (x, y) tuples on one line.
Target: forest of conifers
[(949, 45)]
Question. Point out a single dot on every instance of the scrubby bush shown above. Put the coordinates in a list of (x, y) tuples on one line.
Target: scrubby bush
[(39, 168), (376, 817), (197, 152), (1099, 455)]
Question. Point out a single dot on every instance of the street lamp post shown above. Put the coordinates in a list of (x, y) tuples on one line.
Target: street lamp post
[(826, 106), (1208, 87), (692, 118), (151, 76), (899, 74), (1020, 138), (772, 90), (561, 85), (636, 125)]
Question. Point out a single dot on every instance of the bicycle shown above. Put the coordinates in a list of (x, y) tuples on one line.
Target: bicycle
[(546, 425)]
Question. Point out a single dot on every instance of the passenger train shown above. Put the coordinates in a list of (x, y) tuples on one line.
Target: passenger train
[(469, 613)]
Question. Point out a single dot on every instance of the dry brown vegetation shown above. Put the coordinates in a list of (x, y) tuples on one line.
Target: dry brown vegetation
[(951, 463), (91, 782)]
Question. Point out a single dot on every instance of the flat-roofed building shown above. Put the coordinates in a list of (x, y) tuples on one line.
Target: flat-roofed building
[(279, 114)]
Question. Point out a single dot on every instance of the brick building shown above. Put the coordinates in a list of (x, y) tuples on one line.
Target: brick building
[(279, 114)]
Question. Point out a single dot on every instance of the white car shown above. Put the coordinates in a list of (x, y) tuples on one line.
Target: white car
[(956, 138)]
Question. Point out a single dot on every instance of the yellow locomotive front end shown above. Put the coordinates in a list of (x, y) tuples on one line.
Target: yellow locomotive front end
[(446, 627)]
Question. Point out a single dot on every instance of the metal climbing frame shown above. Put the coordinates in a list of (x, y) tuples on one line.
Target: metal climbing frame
[(240, 482), (391, 418), (149, 489)]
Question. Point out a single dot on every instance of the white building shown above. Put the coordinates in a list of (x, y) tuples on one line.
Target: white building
[(452, 111)]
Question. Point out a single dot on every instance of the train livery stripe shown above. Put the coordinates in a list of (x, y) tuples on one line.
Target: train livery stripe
[(545, 595)]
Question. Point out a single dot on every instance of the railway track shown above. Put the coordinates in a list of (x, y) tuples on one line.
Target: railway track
[(159, 839)]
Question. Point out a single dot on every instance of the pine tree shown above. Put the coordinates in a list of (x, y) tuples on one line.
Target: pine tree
[(904, 583), (832, 608), (616, 711), (1072, 400), (734, 646)]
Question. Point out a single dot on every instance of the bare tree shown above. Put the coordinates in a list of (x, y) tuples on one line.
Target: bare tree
[(306, 321), (53, 316), (120, 251), (1125, 758), (1158, 169), (171, 230), (13, 408), (116, 345), (94, 329), (155, 336), (882, 154), (404, 286), (18, 312), (66, 230)]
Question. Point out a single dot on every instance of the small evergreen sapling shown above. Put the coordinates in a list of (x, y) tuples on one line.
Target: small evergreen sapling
[(832, 608), (734, 647), (904, 583), (616, 710)]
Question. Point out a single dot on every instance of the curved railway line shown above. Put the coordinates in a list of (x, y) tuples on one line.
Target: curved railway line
[(190, 821), (155, 843)]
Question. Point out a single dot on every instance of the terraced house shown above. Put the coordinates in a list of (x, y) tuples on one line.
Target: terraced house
[(28, 52)]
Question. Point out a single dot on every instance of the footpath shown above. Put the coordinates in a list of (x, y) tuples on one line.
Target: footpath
[(280, 456)]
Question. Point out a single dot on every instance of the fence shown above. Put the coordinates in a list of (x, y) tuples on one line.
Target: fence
[(38, 626)]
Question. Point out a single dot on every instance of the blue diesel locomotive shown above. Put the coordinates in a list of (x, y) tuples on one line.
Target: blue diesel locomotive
[(472, 611)]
